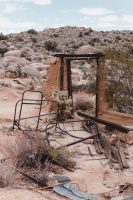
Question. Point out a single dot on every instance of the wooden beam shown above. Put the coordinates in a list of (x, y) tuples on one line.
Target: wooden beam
[(90, 55), (105, 122)]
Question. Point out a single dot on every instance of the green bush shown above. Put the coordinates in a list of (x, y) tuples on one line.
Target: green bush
[(50, 45), (120, 75), (95, 40), (82, 101), (3, 37), (3, 51), (32, 31), (64, 103), (34, 39), (130, 49)]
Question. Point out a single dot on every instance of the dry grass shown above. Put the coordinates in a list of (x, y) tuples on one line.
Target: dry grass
[(83, 101), (61, 157), (7, 174), (34, 152), (18, 149), (33, 155)]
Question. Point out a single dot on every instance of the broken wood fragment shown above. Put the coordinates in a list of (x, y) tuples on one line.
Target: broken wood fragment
[(122, 155), (89, 150)]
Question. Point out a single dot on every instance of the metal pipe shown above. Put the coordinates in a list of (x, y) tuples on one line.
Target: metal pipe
[(81, 140)]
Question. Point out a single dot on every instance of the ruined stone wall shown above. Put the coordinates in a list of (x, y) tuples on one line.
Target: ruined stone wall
[(53, 78), (53, 82), (103, 87)]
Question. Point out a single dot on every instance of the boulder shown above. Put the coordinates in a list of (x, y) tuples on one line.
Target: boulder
[(83, 82), (76, 76), (39, 66), (43, 74), (1, 65), (31, 72), (15, 53), (5, 83), (26, 52), (13, 67), (9, 60), (17, 86), (87, 49), (2, 73)]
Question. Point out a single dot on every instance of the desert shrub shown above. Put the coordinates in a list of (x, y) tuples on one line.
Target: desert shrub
[(3, 37), (87, 33), (83, 101), (91, 43), (61, 156), (130, 49), (23, 153), (19, 38), (34, 39), (7, 174), (120, 78), (32, 31), (95, 40), (64, 103), (50, 45), (56, 35), (17, 72), (77, 88), (80, 34), (3, 51), (90, 87), (87, 88), (33, 152), (117, 38), (19, 151)]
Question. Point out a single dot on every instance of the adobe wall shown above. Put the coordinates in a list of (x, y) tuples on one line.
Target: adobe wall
[(53, 78), (103, 87), (53, 82), (105, 90)]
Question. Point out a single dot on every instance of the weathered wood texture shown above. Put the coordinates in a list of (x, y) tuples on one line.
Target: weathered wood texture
[(105, 122)]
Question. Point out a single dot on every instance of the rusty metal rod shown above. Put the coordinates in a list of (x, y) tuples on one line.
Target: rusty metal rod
[(81, 140)]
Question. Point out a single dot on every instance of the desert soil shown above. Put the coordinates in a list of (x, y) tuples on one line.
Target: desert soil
[(90, 170)]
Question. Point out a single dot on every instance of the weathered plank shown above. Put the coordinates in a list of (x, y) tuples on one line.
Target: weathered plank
[(122, 155), (105, 122)]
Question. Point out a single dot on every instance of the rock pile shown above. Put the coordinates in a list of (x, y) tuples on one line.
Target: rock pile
[(15, 64)]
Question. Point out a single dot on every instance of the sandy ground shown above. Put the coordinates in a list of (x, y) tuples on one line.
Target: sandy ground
[(8, 100), (89, 172)]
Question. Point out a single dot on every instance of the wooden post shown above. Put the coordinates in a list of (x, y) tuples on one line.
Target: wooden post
[(62, 74), (69, 78), (101, 103), (97, 88)]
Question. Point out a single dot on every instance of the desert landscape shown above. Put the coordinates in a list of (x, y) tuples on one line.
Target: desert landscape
[(45, 161)]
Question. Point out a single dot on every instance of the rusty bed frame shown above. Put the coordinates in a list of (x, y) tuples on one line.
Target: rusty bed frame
[(54, 125)]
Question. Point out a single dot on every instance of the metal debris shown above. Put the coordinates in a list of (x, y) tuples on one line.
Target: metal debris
[(128, 198), (71, 191), (62, 179)]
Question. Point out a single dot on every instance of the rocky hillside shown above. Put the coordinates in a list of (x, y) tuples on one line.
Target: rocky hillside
[(64, 39), (28, 54)]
